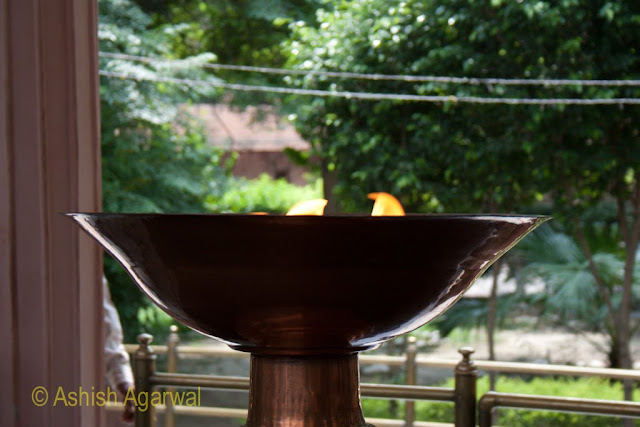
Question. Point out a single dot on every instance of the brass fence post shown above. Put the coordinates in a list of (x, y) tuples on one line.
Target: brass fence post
[(465, 390), (144, 365), (410, 379), (172, 367)]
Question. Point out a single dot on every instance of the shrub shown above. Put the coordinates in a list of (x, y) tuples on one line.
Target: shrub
[(263, 194)]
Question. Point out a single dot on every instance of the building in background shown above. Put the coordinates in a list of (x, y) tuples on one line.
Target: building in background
[(259, 136)]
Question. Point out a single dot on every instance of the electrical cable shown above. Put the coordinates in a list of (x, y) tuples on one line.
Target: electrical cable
[(379, 96), (396, 77)]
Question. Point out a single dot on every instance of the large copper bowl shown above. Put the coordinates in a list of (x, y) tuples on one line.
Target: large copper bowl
[(305, 286)]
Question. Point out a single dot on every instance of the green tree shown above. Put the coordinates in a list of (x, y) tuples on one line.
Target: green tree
[(572, 298), (427, 154), (154, 158), (239, 32), (580, 155)]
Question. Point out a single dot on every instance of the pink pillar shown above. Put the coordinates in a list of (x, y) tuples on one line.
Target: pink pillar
[(50, 295)]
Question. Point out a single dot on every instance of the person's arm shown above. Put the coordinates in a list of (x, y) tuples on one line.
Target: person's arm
[(118, 366)]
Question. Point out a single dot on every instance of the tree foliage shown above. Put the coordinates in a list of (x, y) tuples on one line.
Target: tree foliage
[(239, 32), (480, 154), (154, 158), (484, 157), (572, 296)]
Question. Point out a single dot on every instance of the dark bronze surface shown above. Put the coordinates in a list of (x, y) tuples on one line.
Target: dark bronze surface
[(304, 293), (305, 285), (304, 391)]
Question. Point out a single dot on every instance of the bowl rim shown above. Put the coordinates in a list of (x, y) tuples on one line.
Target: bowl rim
[(342, 215)]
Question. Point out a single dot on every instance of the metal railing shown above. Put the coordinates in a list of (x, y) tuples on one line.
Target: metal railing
[(492, 400), (175, 351), (146, 378), (409, 361), (463, 395)]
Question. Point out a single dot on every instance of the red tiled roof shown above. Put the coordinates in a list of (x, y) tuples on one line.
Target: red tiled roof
[(241, 131)]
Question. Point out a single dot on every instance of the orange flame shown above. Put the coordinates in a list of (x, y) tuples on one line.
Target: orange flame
[(309, 207), (385, 205)]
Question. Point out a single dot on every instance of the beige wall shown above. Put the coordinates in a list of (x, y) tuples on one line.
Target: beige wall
[(50, 295)]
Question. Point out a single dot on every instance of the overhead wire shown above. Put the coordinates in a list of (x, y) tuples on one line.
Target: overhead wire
[(396, 77), (376, 96)]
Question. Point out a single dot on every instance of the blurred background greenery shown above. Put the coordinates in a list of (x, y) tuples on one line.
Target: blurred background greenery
[(577, 163)]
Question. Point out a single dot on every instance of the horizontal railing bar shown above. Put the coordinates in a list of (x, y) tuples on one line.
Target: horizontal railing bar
[(208, 411), (484, 365), (594, 406), (158, 349), (227, 352), (539, 369), (191, 380), (410, 392), (370, 359), (204, 411), (386, 422), (242, 383), (208, 351), (534, 368), (434, 362), (492, 400)]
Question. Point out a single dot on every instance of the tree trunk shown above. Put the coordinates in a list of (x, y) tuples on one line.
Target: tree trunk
[(620, 316), (491, 319), (630, 230), (624, 349), (624, 355), (614, 350)]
